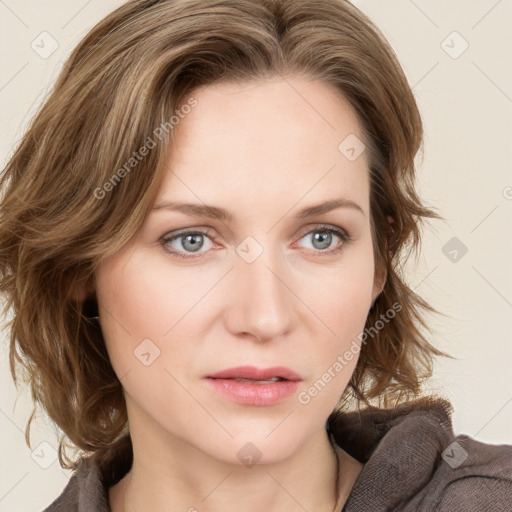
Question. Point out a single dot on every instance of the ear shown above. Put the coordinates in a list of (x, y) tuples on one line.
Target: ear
[(83, 295), (379, 282), (81, 291), (381, 274)]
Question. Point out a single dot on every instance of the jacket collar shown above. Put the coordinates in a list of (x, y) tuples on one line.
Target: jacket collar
[(400, 447)]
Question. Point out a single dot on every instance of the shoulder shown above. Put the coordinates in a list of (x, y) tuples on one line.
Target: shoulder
[(88, 488), (471, 475), (84, 491), (413, 461)]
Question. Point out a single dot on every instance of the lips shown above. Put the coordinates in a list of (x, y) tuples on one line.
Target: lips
[(253, 374), (247, 385)]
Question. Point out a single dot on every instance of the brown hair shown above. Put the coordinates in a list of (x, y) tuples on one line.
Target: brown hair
[(128, 76)]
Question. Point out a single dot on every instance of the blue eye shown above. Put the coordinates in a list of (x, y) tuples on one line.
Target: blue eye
[(191, 242), (326, 237)]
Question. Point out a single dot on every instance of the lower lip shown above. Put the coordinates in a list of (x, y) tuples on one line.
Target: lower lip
[(254, 394)]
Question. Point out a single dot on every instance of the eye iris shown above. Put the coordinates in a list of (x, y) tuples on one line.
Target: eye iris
[(195, 244), (322, 237)]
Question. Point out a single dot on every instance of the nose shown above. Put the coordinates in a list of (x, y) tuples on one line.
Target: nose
[(260, 301)]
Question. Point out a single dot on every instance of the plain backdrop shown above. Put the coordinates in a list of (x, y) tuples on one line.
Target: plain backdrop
[(457, 57)]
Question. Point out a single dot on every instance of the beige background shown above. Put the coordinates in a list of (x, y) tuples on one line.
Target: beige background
[(467, 108)]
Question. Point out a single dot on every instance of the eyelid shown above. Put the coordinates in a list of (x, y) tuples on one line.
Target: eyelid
[(320, 227), (189, 231)]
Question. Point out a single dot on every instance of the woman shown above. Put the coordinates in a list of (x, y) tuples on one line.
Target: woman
[(201, 236)]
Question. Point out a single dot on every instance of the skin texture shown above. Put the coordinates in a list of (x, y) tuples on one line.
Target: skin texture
[(262, 150)]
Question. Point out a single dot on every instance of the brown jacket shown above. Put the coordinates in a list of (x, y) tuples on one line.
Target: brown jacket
[(412, 462)]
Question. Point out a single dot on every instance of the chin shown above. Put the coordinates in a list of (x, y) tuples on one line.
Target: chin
[(248, 450)]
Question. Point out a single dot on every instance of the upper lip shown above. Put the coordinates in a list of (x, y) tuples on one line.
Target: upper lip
[(251, 372)]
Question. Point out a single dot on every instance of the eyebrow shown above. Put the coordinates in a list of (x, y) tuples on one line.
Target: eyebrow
[(214, 212)]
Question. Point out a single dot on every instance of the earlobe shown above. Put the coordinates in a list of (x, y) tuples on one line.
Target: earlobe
[(379, 283)]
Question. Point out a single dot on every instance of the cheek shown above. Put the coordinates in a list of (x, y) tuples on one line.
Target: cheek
[(131, 300), (340, 298), (152, 313), (340, 294), (350, 302)]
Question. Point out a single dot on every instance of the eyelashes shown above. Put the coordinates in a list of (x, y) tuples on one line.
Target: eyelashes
[(166, 241), (192, 235)]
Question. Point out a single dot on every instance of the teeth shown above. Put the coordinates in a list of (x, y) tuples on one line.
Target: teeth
[(273, 379)]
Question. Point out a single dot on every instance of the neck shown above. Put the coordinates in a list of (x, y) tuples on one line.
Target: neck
[(317, 477)]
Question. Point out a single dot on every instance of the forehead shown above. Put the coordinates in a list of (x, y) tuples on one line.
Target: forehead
[(263, 139)]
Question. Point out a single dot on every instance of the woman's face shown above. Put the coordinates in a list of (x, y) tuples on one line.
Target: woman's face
[(250, 280)]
